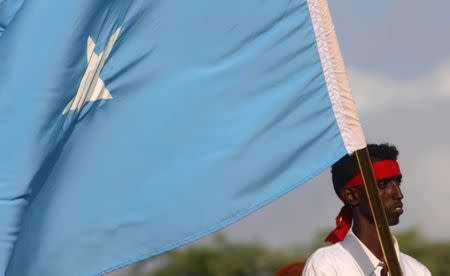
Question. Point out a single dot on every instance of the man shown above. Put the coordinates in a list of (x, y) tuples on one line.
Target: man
[(356, 251)]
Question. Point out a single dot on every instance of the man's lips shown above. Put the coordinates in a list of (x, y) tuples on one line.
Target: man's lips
[(398, 208)]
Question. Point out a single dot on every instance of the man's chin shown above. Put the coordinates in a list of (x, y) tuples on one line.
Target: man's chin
[(393, 216), (393, 221)]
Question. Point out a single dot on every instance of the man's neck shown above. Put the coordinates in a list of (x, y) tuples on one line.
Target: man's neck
[(367, 234)]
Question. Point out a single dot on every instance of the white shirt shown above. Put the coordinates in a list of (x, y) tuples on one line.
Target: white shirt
[(351, 257)]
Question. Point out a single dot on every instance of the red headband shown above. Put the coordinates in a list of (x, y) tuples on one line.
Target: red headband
[(382, 169)]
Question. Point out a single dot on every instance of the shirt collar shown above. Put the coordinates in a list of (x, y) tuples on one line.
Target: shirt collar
[(365, 259)]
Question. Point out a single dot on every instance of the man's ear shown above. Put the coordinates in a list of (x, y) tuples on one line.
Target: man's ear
[(351, 196)]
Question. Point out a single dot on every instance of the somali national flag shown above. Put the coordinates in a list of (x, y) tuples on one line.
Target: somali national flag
[(129, 128)]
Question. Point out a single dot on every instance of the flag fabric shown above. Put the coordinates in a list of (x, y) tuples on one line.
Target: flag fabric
[(8, 8), (129, 128)]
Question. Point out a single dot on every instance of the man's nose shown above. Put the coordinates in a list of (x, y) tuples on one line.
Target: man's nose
[(395, 190)]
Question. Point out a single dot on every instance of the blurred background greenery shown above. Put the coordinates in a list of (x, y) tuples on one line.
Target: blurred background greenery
[(220, 257)]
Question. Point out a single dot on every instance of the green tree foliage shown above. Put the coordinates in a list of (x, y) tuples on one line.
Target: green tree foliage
[(221, 257), (434, 255)]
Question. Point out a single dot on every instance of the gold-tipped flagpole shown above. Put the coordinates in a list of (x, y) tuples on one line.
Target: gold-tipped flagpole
[(378, 213)]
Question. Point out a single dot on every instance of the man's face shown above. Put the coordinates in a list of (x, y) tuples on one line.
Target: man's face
[(391, 197)]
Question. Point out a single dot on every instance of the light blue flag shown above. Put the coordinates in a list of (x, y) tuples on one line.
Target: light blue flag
[(129, 128), (8, 9)]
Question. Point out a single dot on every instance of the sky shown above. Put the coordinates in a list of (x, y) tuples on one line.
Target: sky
[(397, 56)]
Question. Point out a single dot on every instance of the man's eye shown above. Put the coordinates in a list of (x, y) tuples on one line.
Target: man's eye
[(383, 183)]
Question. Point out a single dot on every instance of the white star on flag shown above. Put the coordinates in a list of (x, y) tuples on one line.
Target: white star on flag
[(92, 88)]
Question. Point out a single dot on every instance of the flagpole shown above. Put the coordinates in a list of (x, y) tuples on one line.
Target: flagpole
[(378, 213)]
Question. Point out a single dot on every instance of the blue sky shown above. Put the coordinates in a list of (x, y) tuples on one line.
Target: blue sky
[(399, 39)]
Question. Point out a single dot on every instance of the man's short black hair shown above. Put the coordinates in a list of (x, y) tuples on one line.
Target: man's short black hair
[(347, 166)]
